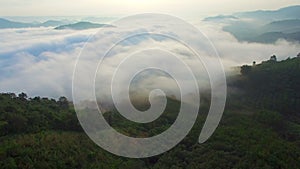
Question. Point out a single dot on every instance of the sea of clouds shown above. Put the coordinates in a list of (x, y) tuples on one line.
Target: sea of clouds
[(41, 61)]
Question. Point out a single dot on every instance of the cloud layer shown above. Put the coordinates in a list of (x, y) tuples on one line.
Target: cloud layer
[(40, 61)]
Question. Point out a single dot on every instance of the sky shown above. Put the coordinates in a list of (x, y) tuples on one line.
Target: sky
[(180, 8)]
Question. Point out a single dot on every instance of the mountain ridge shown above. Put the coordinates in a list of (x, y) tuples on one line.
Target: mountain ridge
[(82, 25), (254, 26), (59, 25)]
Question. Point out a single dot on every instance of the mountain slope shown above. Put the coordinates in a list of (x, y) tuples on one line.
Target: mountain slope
[(260, 128), (290, 12), (273, 85), (286, 26), (10, 24), (263, 26)]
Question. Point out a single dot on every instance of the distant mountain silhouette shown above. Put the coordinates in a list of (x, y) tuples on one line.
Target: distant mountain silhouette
[(286, 26), (262, 26), (290, 12), (220, 18), (53, 23), (271, 37), (59, 25), (6, 24), (82, 26)]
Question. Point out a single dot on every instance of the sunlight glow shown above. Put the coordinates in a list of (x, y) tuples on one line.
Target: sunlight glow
[(128, 7)]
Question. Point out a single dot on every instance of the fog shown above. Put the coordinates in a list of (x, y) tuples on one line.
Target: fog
[(41, 61)]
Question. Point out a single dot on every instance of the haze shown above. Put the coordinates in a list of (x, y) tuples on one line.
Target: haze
[(187, 8)]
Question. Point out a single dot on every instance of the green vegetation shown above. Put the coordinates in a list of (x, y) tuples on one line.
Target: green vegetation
[(22, 115), (272, 85), (260, 129)]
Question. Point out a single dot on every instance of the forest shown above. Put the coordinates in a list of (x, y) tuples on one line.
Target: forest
[(260, 128)]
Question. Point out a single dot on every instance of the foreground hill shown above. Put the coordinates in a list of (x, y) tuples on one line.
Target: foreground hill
[(273, 85), (259, 129)]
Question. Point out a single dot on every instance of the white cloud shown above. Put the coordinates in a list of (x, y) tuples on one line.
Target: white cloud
[(235, 53), (40, 61)]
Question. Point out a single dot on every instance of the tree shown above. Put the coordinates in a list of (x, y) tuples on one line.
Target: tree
[(16, 123), (38, 99), (63, 102), (11, 95), (245, 69), (273, 58), (23, 96)]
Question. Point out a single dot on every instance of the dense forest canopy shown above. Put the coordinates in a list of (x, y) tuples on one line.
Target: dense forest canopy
[(260, 128)]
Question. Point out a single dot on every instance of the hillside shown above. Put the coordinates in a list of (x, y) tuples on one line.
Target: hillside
[(286, 26), (269, 33), (260, 128), (262, 26), (274, 85)]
